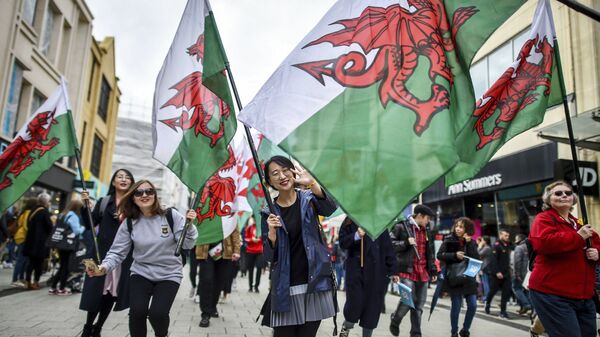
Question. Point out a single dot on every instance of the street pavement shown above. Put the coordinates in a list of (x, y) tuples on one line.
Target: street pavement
[(35, 313)]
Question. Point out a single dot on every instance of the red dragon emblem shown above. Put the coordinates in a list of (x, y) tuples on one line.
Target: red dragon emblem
[(21, 153), (194, 97), (400, 33), (218, 191), (513, 91)]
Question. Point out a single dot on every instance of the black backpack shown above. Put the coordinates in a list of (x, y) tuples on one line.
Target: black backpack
[(169, 216)]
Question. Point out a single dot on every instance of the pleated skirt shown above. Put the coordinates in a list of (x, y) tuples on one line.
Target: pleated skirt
[(305, 307)]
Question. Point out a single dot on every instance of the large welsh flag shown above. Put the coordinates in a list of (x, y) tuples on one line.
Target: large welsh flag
[(47, 136), (193, 117), (372, 99), (223, 203), (516, 102)]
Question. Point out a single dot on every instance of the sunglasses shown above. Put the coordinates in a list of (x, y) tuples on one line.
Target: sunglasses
[(148, 191), (560, 193)]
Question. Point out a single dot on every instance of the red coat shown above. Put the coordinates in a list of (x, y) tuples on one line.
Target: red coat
[(252, 247), (561, 267)]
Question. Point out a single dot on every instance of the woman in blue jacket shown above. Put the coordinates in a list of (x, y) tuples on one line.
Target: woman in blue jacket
[(301, 276)]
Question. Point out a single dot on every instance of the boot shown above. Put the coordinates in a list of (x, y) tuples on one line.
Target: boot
[(96, 331), (87, 330)]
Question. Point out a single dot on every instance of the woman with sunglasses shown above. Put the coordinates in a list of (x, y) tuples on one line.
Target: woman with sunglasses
[(562, 281), (301, 283), (156, 272), (100, 294)]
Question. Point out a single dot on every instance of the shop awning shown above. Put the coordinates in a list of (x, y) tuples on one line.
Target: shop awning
[(586, 130)]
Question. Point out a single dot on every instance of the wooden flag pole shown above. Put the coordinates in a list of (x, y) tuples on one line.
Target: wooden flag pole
[(362, 251)]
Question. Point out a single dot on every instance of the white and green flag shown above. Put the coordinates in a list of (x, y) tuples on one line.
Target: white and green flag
[(193, 116), (47, 136)]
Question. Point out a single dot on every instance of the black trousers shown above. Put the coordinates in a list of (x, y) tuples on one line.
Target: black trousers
[(251, 260), (193, 267), (499, 284), (308, 329), (63, 270), (35, 267), (141, 290), (213, 276)]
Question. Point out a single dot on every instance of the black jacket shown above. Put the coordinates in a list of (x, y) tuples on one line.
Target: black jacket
[(405, 252), (39, 227), (500, 261), (447, 254)]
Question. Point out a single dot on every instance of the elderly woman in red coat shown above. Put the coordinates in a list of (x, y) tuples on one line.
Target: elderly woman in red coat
[(562, 281)]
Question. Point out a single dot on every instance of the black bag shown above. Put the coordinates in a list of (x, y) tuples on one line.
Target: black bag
[(456, 273), (62, 237), (265, 311)]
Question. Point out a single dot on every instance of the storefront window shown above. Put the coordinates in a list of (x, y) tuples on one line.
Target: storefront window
[(517, 215)]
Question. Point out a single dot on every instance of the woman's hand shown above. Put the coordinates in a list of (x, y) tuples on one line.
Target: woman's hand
[(100, 271), (585, 231), (460, 255), (235, 256), (361, 232), (274, 223), (592, 254), (191, 215), (303, 177), (85, 197)]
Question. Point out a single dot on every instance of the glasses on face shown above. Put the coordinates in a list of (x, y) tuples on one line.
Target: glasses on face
[(560, 193), (123, 177), (147, 191), (284, 171)]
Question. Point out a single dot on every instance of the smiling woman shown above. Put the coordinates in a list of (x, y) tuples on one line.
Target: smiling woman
[(156, 272)]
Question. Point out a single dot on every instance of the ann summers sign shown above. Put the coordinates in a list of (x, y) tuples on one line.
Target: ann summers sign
[(475, 184)]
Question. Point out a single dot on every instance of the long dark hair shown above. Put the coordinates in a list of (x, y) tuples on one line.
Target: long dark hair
[(111, 189), (128, 208)]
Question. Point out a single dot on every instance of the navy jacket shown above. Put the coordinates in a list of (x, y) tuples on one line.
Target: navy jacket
[(319, 263)]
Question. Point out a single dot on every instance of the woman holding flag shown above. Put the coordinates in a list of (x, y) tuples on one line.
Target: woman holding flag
[(456, 247), (301, 272)]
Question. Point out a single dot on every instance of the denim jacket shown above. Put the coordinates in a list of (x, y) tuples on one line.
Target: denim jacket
[(319, 263)]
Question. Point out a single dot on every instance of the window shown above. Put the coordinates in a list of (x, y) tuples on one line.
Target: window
[(29, 11), (104, 99), (92, 76), (36, 102), (12, 104), (489, 68), (48, 30), (97, 156)]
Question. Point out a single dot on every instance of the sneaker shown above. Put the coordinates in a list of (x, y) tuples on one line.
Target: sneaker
[(7, 265), (464, 333), (487, 309), (503, 315), (256, 290), (214, 315), (345, 332), (197, 299), (192, 292), (394, 327), (17, 284), (64, 292), (52, 291), (204, 322)]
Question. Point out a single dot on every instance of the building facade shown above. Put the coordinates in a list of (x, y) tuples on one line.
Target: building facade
[(42, 40), (507, 191)]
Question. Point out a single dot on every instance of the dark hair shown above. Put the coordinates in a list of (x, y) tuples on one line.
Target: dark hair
[(467, 224), (279, 160), (111, 188), (487, 240), (347, 221), (128, 208)]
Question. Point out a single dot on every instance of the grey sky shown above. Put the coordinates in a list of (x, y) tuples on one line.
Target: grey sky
[(257, 34)]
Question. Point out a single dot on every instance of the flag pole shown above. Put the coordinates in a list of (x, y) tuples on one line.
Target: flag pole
[(587, 11), (188, 223), (88, 211), (571, 139)]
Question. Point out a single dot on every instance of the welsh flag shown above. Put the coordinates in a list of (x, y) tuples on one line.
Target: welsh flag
[(222, 203), (47, 136), (193, 117), (516, 102), (372, 99)]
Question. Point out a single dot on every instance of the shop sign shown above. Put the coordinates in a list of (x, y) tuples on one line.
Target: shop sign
[(563, 169), (475, 184)]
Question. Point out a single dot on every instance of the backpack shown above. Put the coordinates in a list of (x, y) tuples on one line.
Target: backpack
[(169, 216), (103, 204)]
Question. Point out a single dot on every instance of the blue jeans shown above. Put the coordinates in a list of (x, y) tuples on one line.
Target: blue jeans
[(340, 274), (455, 311), (565, 317), (485, 281), (517, 286), (20, 265), (11, 251)]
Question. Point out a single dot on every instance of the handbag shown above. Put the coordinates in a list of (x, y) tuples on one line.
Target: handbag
[(456, 273), (62, 237)]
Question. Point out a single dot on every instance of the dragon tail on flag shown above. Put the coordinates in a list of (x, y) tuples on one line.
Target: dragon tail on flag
[(193, 117), (46, 137), (516, 102), (372, 99)]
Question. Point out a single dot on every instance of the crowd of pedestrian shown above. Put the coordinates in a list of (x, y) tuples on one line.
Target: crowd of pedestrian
[(551, 274)]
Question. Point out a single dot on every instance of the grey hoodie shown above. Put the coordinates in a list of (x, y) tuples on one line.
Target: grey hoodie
[(153, 247)]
